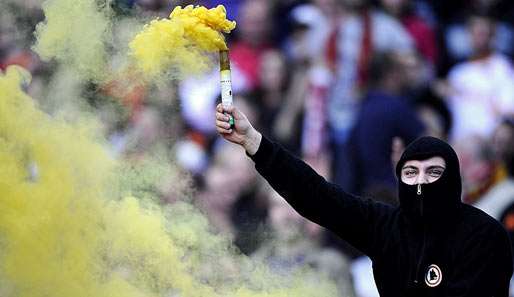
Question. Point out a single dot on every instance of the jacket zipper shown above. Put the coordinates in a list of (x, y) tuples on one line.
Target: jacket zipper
[(418, 267)]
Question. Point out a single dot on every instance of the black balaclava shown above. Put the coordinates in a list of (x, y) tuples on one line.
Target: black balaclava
[(439, 199)]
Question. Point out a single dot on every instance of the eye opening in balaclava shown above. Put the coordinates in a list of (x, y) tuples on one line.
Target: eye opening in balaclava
[(430, 178), (438, 197)]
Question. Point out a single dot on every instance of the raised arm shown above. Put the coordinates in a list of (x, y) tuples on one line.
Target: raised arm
[(363, 223)]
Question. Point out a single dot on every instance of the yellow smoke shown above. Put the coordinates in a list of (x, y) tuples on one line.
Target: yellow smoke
[(76, 222), (178, 45), (74, 33), (65, 230), (78, 33)]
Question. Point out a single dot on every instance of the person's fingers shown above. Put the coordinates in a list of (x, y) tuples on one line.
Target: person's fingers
[(222, 124), (223, 130), (222, 108), (222, 117), (225, 109), (229, 109)]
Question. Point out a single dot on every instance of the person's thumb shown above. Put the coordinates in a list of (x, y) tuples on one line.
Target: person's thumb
[(237, 114)]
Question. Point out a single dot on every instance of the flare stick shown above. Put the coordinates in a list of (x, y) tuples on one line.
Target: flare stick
[(226, 82)]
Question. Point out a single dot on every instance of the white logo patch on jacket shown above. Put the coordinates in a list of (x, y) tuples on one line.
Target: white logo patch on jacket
[(434, 276)]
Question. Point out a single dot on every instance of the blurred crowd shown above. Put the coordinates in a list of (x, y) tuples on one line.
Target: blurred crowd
[(344, 84)]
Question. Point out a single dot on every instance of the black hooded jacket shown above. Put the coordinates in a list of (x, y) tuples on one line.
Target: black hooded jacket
[(432, 245)]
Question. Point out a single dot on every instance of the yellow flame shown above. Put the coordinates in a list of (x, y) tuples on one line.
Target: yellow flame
[(181, 41)]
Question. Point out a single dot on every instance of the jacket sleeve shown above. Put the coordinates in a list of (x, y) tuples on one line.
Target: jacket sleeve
[(484, 266), (361, 222)]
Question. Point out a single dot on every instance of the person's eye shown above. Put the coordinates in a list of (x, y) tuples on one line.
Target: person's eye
[(409, 173), (436, 172)]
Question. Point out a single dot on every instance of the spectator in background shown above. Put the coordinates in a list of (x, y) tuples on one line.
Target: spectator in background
[(248, 215), (420, 31), (359, 32), (311, 24), (482, 88), (458, 39), (480, 169), (384, 115), (434, 114), (253, 39), (503, 141), (273, 81), (7, 37), (229, 175), (14, 43), (279, 99), (311, 78), (499, 197), (420, 89), (499, 201), (296, 243)]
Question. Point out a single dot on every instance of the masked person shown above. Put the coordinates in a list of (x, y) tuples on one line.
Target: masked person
[(431, 245)]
